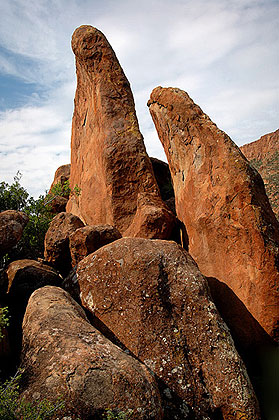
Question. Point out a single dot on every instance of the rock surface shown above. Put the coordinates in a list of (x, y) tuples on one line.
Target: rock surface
[(263, 154), (220, 198), (62, 175), (108, 157), (88, 239), (151, 295), (12, 223), (57, 250), (63, 355)]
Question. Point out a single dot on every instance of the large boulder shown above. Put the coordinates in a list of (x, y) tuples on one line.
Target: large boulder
[(63, 355), (109, 162), (57, 203), (88, 239), (263, 154), (12, 223), (57, 251), (23, 277), (233, 233), (152, 297)]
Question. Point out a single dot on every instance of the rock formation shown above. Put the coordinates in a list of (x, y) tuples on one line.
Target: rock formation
[(62, 175), (57, 250), (108, 158), (88, 239), (12, 223), (233, 233), (263, 154), (63, 355), (153, 298)]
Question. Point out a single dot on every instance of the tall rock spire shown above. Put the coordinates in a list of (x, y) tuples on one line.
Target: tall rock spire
[(108, 158)]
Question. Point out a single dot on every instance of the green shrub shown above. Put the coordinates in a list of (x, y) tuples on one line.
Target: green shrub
[(4, 320), (117, 414), (14, 408)]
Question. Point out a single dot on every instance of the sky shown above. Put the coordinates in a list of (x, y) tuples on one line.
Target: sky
[(224, 53)]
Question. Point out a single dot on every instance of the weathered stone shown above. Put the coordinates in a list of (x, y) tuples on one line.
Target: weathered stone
[(220, 198), (58, 204), (57, 250), (88, 239), (151, 295), (108, 157), (63, 355), (62, 175), (25, 276), (12, 223), (263, 154)]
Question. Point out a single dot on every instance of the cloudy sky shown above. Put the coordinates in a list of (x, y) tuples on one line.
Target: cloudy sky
[(224, 53)]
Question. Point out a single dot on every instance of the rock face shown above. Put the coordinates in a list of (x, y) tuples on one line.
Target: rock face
[(220, 198), (151, 295), (57, 250), (108, 158), (88, 239), (62, 175), (264, 156), (12, 223), (63, 355)]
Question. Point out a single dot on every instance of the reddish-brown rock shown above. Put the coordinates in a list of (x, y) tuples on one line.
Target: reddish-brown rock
[(264, 156), (57, 250), (233, 233), (163, 177), (62, 175), (88, 239), (108, 157), (63, 355), (12, 223), (151, 295), (25, 276)]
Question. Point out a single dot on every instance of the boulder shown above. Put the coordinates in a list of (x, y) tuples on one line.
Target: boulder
[(152, 297), (23, 277), (88, 239), (57, 250), (12, 223), (263, 154), (233, 233), (63, 355), (58, 204), (109, 162), (62, 175)]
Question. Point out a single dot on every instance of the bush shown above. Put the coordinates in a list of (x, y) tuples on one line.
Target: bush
[(14, 408), (15, 197)]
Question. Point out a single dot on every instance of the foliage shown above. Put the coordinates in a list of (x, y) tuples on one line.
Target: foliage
[(14, 408), (15, 197), (117, 415), (4, 320)]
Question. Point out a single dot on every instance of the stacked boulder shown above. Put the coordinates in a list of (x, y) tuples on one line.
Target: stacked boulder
[(139, 332)]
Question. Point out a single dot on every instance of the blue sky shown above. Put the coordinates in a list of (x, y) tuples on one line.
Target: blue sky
[(224, 53)]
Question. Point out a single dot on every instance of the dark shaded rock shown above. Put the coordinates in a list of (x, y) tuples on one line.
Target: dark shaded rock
[(64, 355), (12, 223), (163, 177), (57, 250), (151, 295), (88, 239)]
